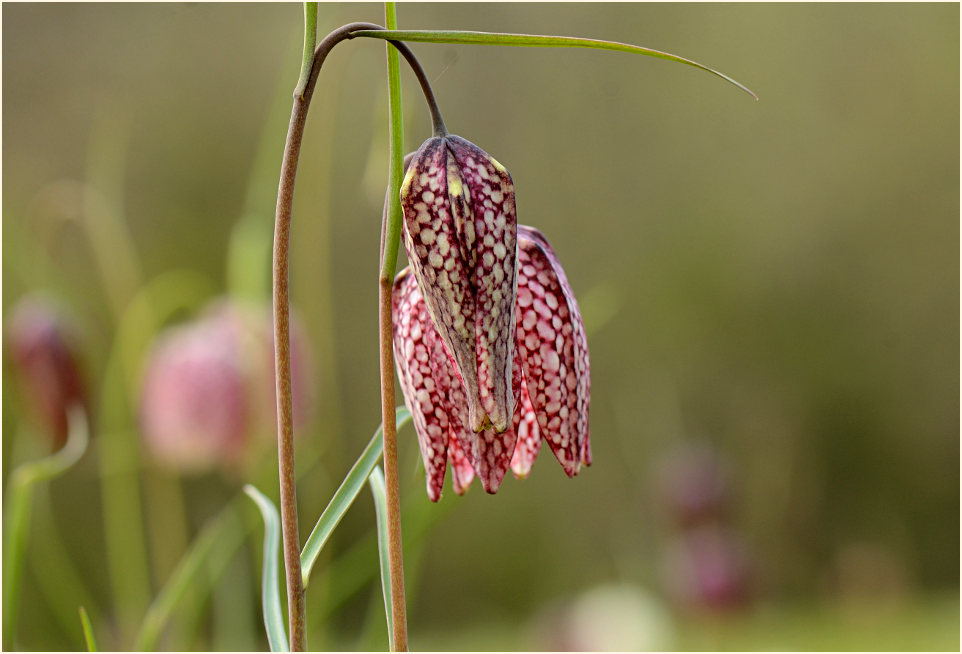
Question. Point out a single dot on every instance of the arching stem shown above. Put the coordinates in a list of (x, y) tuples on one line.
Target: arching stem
[(281, 300)]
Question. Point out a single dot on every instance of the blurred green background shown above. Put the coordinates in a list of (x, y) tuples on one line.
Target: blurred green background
[(777, 279)]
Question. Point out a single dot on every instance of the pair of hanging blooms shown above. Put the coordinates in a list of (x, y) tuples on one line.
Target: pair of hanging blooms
[(488, 338)]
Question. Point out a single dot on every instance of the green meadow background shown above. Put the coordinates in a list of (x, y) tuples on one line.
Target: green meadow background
[(776, 278)]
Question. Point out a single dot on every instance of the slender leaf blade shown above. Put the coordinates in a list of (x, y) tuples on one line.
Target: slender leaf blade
[(270, 593), (345, 496), (535, 41), (19, 498), (376, 481), (88, 631)]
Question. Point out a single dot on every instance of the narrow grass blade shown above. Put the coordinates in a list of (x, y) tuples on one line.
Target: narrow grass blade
[(376, 480), (17, 513), (534, 41), (344, 497), (219, 539), (270, 592), (88, 631)]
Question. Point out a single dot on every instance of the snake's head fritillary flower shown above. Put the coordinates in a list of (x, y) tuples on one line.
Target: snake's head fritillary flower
[(460, 233), (436, 397), (549, 377), (43, 347)]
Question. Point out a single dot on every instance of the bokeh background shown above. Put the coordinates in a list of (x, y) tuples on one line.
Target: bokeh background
[(770, 291)]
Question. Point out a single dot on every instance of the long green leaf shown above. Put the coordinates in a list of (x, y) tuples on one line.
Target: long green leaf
[(88, 631), (534, 41), (270, 593), (17, 513), (376, 480), (344, 496)]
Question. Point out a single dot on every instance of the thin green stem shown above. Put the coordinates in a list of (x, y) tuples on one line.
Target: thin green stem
[(535, 41), (17, 513), (391, 234), (310, 38)]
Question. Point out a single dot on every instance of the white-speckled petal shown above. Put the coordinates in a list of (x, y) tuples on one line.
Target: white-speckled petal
[(554, 349), (460, 233), (416, 347), (529, 438)]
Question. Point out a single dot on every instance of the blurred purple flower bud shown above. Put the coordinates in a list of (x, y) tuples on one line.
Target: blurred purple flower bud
[(43, 347)]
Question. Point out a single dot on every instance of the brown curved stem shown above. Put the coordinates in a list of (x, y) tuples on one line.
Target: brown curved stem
[(281, 300)]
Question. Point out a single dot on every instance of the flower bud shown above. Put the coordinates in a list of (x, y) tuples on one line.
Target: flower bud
[(42, 345), (460, 232)]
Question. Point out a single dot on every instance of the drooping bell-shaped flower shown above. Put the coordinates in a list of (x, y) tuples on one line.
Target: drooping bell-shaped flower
[(549, 378), (437, 399), (460, 232)]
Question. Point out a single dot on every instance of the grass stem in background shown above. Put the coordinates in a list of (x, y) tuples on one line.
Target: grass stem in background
[(17, 513), (88, 631)]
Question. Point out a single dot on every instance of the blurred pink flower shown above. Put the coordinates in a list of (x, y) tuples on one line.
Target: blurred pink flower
[(208, 393)]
